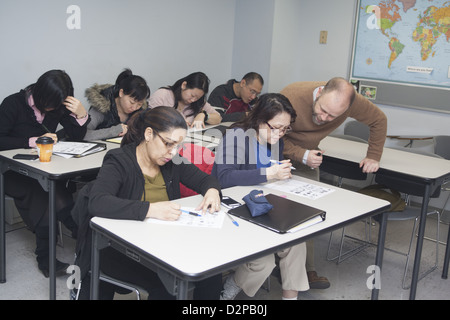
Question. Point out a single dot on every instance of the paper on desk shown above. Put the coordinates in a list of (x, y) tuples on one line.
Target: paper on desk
[(306, 224), (115, 140), (73, 148), (208, 220), (299, 188)]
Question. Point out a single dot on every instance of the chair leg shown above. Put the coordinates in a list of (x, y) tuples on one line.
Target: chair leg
[(425, 273), (345, 255), (408, 255)]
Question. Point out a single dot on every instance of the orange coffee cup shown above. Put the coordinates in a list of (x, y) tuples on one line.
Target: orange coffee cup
[(45, 148)]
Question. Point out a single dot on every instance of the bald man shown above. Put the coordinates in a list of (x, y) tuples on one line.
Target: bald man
[(321, 108)]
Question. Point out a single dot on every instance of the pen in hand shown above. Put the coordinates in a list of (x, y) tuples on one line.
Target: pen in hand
[(278, 162), (191, 213)]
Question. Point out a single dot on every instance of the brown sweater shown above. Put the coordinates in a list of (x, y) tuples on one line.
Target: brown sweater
[(306, 135)]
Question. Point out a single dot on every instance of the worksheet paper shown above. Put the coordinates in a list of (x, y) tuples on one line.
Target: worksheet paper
[(299, 188), (207, 220)]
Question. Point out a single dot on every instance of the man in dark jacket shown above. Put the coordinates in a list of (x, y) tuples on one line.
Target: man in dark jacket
[(236, 98)]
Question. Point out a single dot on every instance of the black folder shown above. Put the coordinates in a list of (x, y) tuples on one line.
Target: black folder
[(285, 215)]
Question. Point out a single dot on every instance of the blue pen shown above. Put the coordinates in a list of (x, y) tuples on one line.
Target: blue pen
[(234, 221), (278, 162), (191, 213)]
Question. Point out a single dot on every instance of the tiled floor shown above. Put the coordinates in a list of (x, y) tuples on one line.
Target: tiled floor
[(348, 279)]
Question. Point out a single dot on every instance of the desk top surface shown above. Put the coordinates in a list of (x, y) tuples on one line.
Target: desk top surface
[(58, 165), (194, 251), (400, 161)]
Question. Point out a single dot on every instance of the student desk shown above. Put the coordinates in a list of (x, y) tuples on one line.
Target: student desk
[(199, 138), (417, 168), (47, 174), (181, 254)]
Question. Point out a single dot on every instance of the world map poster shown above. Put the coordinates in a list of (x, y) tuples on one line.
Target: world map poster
[(403, 41)]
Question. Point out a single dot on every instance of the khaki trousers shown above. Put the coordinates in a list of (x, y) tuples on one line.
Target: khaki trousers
[(251, 276)]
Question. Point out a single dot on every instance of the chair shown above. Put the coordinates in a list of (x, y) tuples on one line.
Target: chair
[(125, 285), (357, 129), (442, 146), (202, 157), (119, 283), (410, 212), (344, 170)]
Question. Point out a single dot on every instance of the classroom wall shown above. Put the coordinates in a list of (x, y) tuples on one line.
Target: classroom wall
[(159, 40), (165, 40), (252, 43)]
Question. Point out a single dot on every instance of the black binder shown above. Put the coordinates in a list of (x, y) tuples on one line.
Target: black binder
[(285, 215)]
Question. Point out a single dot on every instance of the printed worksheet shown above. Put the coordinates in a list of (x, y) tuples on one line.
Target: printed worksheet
[(70, 147), (299, 188), (194, 218)]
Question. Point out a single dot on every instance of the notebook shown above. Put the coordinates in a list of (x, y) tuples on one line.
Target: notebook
[(286, 215), (77, 149)]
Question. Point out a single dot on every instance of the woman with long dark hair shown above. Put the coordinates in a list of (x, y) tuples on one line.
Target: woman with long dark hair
[(25, 116), (113, 105), (244, 158), (188, 96), (137, 181)]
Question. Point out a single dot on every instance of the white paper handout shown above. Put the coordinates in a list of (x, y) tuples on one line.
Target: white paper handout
[(299, 188), (197, 219), (72, 148)]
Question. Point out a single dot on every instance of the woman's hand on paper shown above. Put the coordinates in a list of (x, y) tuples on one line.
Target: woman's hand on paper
[(211, 201), (164, 210)]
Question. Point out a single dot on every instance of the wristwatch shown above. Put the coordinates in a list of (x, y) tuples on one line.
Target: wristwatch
[(206, 115)]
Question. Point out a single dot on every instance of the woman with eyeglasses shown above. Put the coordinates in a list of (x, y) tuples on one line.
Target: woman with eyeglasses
[(251, 153), (245, 153), (135, 182), (188, 96)]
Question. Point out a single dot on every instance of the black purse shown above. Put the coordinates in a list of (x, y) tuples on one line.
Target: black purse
[(257, 203)]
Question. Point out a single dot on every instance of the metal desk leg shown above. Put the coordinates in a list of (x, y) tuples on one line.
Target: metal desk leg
[(422, 224), (95, 265), (52, 239), (182, 290), (2, 231), (447, 257), (380, 252)]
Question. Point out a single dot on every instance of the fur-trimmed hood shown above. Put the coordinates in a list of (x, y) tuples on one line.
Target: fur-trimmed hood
[(97, 100), (100, 98)]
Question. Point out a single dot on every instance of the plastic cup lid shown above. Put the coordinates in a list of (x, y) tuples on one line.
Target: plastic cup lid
[(44, 140)]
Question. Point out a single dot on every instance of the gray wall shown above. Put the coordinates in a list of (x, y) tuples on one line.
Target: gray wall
[(164, 40), (159, 40)]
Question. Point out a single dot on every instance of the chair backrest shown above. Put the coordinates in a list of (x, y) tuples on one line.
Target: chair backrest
[(202, 157), (442, 146), (357, 129)]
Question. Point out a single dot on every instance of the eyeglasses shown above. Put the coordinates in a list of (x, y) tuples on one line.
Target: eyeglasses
[(171, 146), (253, 91), (283, 130)]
